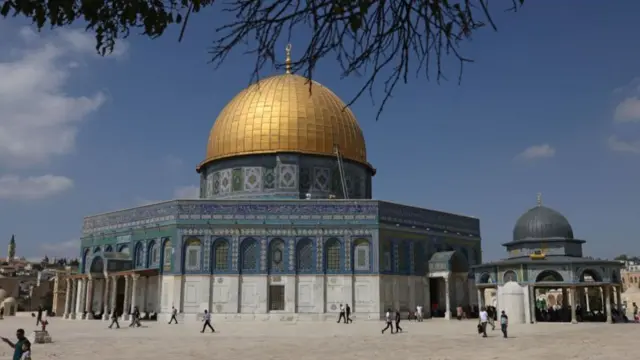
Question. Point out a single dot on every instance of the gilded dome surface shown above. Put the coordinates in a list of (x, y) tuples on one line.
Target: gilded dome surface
[(280, 114)]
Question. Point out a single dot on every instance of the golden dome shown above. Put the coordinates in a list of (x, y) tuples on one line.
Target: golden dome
[(279, 114)]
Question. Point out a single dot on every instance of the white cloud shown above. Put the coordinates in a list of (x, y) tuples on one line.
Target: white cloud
[(39, 119), (537, 152), (187, 192), (13, 187), (616, 144), (628, 110)]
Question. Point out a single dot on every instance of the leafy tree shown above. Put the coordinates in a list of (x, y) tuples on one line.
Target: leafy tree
[(364, 35), (622, 257)]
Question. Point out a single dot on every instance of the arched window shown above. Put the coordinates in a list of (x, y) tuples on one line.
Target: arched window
[(304, 256), (509, 275), (276, 256), (221, 255), (139, 256), (153, 254), (387, 256), (332, 252), (167, 253), (124, 249), (192, 254), (108, 249), (361, 255), (250, 256), (96, 249), (403, 257)]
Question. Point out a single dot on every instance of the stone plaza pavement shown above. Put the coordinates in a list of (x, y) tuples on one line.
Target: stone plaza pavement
[(430, 340)]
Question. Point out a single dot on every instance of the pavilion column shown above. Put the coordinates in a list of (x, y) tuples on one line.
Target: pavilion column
[(532, 304), (572, 303), (607, 304), (74, 298), (565, 301), (80, 298), (105, 298), (480, 298), (114, 290), (134, 289), (159, 295), (602, 299), (586, 291), (127, 297), (67, 299), (88, 306), (145, 281), (447, 301), (619, 299)]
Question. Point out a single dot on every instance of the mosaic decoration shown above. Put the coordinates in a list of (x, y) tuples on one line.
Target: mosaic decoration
[(215, 178), (287, 176), (221, 255), (225, 181), (349, 183), (252, 178), (250, 255), (263, 255), (237, 179), (431, 219), (269, 178), (319, 253), (357, 187), (321, 179), (206, 254), (276, 256), (291, 244), (347, 254), (396, 255), (335, 185), (305, 179), (333, 255), (234, 253)]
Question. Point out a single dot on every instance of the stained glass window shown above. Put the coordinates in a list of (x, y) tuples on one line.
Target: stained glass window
[(361, 252), (250, 255), (276, 255), (304, 255), (194, 247), (139, 255), (332, 255), (221, 253), (167, 253)]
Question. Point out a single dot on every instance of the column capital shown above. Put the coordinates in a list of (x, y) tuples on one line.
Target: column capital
[(135, 277)]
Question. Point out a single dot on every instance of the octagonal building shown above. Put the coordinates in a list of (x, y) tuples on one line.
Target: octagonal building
[(285, 227)]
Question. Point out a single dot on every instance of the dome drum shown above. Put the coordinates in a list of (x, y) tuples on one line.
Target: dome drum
[(283, 176), (283, 114), (542, 222)]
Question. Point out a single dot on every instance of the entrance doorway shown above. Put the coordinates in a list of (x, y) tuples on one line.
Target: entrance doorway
[(120, 295), (437, 308), (276, 297)]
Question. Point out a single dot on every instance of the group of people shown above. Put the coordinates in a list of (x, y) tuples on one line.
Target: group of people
[(345, 314), (485, 319), (135, 318), (390, 317)]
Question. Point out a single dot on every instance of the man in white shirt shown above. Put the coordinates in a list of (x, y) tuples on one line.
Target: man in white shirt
[(484, 317), (419, 312), (342, 315), (387, 318), (207, 321)]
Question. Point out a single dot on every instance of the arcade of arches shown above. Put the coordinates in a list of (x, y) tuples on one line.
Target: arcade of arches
[(97, 294)]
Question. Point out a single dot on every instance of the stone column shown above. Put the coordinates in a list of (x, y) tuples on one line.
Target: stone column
[(447, 300), (67, 299), (145, 281), (105, 298), (619, 299), (114, 291), (602, 299), (88, 306), (607, 304), (134, 289), (159, 295), (127, 298), (586, 291), (572, 303), (480, 298), (80, 298), (565, 301), (74, 298), (532, 304)]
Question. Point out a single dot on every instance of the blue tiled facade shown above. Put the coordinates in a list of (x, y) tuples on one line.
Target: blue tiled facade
[(279, 237)]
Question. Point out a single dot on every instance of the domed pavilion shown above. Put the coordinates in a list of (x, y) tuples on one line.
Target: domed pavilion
[(546, 261), (284, 228)]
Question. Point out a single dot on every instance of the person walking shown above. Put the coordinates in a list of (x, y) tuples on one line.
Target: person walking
[(342, 315), (484, 317), (207, 322), (347, 310), (504, 322), (114, 319), (419, 313), (39, 317), (398, 328), (174, 313), (387, 318)]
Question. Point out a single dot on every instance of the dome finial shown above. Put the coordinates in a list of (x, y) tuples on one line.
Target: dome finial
[(287, 61), (539, 199)]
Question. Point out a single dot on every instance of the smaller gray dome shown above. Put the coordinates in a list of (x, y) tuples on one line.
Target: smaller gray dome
[(542, 222)]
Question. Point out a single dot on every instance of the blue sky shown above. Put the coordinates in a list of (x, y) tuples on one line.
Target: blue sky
[(550, 105)]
